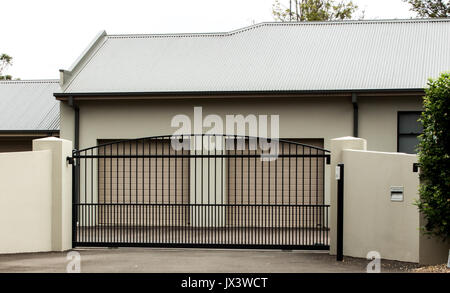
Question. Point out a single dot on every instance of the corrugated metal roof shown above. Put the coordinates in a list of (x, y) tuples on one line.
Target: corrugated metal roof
[(29, 105), (344, 55)]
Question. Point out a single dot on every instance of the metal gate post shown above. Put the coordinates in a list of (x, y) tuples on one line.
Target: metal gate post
[(340, 213), (74, 199)]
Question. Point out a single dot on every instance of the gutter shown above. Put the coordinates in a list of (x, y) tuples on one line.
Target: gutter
[(185, 94)]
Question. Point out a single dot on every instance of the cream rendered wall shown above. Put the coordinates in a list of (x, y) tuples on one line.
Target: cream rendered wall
[(26, 202), (299, 118), (372, 222), (36, 198), (378, 119)]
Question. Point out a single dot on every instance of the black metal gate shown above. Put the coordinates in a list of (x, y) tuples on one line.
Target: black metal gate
[(200, 191)]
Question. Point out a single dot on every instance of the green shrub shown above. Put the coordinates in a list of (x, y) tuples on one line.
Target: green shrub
[(434, 158)]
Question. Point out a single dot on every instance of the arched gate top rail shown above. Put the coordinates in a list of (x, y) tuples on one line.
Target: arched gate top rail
[(324, 152)]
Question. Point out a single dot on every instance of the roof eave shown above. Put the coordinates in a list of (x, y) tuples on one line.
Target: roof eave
[(188, 94), (28, 133)]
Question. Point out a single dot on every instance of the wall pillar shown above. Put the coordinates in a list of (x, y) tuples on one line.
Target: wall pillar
[(61, 215), (337, 145)]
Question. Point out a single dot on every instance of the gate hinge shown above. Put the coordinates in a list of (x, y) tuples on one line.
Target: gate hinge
[(70, 160)]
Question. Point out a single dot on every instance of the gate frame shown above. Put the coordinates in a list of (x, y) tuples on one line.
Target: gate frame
[(74, 160)]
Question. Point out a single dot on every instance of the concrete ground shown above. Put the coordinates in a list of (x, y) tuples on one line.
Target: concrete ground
[(155, 260)]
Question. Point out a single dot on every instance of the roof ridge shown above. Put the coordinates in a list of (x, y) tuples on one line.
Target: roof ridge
[(258, 25), (29, 81), (210, 34)]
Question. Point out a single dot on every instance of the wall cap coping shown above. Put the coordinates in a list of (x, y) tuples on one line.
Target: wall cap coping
[(380, 153), (348, 138), (52, 138)]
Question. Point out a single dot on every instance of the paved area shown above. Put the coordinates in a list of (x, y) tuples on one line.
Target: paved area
[(153, 260)]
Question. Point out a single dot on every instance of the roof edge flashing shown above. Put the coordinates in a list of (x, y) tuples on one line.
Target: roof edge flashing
[(65, 75), (88, 49)]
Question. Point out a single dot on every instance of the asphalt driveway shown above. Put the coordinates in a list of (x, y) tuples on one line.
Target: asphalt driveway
[(153, 260)]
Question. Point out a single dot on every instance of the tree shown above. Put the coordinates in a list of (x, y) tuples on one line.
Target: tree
[(313, 10), (434, 158), (5, 61), (430, 8)]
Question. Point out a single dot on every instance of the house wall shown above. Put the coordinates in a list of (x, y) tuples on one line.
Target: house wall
[(305, 118), (378, 119), (300, 117), (15, 144)]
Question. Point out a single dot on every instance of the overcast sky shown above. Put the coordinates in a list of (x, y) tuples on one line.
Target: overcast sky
[(46, 35)]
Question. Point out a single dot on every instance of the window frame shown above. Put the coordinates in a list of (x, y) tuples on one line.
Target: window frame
[(398, 126)]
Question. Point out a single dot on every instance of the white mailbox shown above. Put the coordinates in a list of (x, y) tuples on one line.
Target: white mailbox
[(397, 193)]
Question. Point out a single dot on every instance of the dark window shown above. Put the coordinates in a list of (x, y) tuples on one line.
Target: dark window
[(409, 128)]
